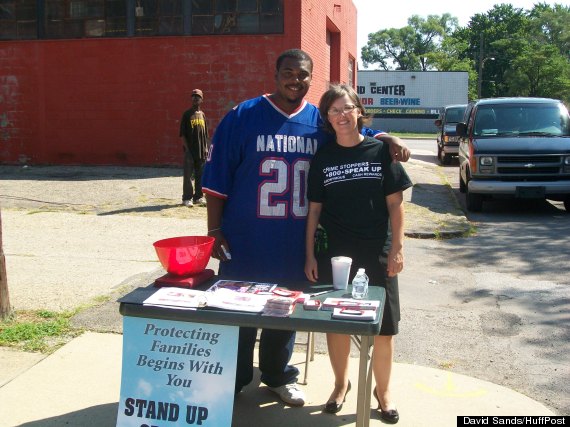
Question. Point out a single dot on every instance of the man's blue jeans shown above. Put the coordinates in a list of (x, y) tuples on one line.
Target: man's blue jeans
[(275, 351)]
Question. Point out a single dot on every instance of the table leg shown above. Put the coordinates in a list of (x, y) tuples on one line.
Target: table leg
[(364, 382)]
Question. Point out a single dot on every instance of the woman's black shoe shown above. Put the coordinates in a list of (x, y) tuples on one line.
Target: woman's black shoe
[(332, 407), (391, 416)]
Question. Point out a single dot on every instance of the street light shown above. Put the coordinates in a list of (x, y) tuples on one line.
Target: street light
[(480, 74)]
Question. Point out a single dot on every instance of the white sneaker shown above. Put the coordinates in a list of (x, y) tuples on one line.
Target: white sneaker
[(290, 393), (201, 201), (188, 203)]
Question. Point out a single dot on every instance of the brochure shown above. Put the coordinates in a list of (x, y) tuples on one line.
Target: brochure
[(359, 304), (286, 293), (241, 301), (244, 287), (177, 297), (353, 314)]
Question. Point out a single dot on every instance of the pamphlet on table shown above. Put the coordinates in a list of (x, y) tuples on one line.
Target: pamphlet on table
[(266, 298), (350, 303), (353, 314), (244, 287), (177, 297)]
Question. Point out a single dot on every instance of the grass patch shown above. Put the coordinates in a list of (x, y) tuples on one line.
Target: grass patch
[(45, 331), (37, 330), (446, 365), (405, 135), (472, 231), (102, 299)]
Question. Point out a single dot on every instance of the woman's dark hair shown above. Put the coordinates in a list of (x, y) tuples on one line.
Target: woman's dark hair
[(334, 92), (297, 54)]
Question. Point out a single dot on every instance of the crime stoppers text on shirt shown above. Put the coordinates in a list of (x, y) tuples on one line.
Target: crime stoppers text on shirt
[(517, 420)]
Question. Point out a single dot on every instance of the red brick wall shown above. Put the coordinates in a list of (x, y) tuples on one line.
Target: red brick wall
[(119, 101), (316, 19)]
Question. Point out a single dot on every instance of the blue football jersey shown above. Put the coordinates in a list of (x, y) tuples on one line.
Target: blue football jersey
[(371, 132), (258, 162)]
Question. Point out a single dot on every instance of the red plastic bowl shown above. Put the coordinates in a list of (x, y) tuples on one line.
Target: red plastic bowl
[(184, 256)]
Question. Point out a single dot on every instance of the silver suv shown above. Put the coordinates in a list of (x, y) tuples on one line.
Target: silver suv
[(514, 147)]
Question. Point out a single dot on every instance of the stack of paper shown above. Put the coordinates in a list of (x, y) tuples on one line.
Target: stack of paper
[(358, 304), (177, 298), (240, 301), (245, 287), (279, 306), (352, 314)]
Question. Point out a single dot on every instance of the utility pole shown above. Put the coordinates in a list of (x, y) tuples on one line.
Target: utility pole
[(480, 73), (482, 60), (5, 308)]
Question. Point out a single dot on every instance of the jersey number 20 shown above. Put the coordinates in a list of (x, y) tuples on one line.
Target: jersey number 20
[(285, 188)]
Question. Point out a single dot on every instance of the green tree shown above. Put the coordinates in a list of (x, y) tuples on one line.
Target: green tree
[(392, 46), (531, 50), (488, 36), (551, 24), (410, 47), (541, 71), (449, 57)]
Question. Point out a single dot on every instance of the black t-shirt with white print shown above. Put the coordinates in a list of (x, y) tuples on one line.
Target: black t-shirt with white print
[(352, 184)]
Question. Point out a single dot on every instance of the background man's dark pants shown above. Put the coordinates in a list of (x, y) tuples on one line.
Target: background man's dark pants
[(192, 165), (275, 351)]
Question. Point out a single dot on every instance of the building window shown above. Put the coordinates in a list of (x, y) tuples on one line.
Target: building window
[(351, 71), (67, 19), (159, 18), (18, 20), (237, 17)]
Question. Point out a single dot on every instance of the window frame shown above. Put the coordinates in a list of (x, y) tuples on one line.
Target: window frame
[(75, 19)]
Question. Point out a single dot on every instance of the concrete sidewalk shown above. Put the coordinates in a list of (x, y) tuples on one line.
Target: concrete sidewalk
[(73, 234), (79, 385)]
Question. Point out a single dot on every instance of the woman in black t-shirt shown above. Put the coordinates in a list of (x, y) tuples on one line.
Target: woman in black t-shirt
[(355, 197)]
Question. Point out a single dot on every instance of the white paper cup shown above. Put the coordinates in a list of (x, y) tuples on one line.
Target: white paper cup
[(340, 271)]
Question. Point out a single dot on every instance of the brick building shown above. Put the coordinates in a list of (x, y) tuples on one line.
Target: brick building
[(104, 82)]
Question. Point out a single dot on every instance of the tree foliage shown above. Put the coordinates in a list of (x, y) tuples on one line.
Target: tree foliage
[(408, 48), (530, 49)]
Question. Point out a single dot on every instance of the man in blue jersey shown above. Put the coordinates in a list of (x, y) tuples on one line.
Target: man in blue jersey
[(255, 182)]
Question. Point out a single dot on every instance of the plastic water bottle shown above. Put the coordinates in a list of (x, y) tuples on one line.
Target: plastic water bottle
[(360, 285)]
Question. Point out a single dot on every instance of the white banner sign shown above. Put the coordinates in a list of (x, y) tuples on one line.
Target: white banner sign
[(177, 373)]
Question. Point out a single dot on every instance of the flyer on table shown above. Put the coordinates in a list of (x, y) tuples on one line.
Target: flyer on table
[(177, 373)]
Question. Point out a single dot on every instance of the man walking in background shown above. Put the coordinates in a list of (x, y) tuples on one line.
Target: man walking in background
[(195, 140)]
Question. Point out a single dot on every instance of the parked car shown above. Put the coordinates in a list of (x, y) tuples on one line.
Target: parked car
[(514, 147), (447, 139)]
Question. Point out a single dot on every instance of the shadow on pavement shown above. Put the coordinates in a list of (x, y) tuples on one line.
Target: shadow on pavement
[(434, 197), (86, 173), (100, 416), (141, 209), (429, 158)]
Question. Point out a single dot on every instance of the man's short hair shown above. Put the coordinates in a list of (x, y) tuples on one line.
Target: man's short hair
[(298, 54)]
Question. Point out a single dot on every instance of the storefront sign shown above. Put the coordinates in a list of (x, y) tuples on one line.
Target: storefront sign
[(177, 373), (406, 95), (397, 112)]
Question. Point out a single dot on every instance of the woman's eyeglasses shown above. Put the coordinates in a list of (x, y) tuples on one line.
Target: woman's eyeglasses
[(348, 108)]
